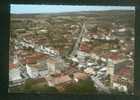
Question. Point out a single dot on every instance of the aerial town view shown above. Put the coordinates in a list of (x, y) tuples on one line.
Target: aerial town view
[(71, 49)]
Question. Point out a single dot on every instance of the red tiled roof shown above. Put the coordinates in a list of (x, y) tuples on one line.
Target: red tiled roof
[(92, 33), (59, 79), (30, 59), (125, 71), (113, 56), (85, 47), (12, 66), (79, 75)]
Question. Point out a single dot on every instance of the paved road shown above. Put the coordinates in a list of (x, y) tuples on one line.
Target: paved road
[(76, 46), (100, 86)]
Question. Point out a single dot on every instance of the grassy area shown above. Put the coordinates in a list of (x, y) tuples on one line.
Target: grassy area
[(83, 86), (31, 86)]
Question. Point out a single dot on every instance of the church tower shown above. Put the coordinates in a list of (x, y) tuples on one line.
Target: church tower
[(15, 61), (110, 70)]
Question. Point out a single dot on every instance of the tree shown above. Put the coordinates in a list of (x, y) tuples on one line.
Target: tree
[(44, 89), (32, 86), (28, 84), (51, 89), (83, 86)]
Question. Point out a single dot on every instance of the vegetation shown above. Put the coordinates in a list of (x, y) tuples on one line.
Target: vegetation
[(83, 86), (31, 86)]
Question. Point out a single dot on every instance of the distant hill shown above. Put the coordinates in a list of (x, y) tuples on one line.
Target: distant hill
[(96, 13)]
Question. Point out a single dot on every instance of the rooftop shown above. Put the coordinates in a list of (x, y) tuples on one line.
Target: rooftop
[(52, 61), (34, 57), (11, 66), (80, 75), (124, 72), (113, 55), (59, 80)]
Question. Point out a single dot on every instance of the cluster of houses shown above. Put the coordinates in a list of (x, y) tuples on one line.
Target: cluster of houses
[(113, 61), (44, 62)]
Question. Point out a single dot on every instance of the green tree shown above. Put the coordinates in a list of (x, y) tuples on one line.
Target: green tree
[(83, 86), (28, 85)]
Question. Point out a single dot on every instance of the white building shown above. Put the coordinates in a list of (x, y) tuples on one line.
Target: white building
[(54, 66), (58, 80), (15, 61), (14, 74), (43, 31), (43, 73), (120, 87), (32, 72), (47, 50), (85, 39), (74, 59), (93, 55), (90, 71), (81, 58), (122, 30), (110, 67)]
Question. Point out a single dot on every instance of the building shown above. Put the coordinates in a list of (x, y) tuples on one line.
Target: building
[(81, 56), (53, 81), (32, 71), (94, 56), (110, 68), (16, 60), (14, 73), (90, 71), (123, 79), (15, 78), (42, 31), (55, 65), (115, 57), (79, 76), (85, 47), (43, 71)]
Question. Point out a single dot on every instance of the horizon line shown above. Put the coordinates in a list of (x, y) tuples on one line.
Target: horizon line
[(71, 11), (21, 9)]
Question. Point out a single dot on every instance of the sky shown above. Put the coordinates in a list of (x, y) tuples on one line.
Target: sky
[(19, 9)]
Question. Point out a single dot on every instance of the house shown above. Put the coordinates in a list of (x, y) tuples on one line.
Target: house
[(14, 72), (94, 56), (114, 56), (104, 69), (79, 76), (54, 66), (36, 64), (123, 79), (90, 71), (53, 81), (20, 30), (74, 59), (32, 71), (110, 68), (43, 31), (47, 50), (81, 56), (85, 47), (114, 50), (85, 39), (89, 64), (119, 83), (122, 30), (43, 71), (34, 57)]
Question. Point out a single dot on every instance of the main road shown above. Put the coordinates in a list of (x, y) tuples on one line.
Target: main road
[(76, 46)]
